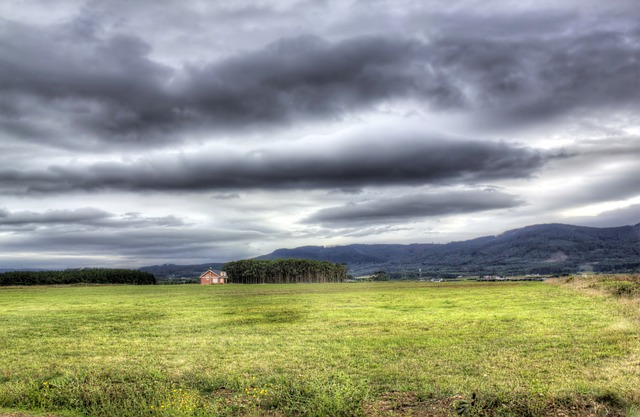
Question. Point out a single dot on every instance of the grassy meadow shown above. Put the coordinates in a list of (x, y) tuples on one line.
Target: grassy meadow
[(389, 348)]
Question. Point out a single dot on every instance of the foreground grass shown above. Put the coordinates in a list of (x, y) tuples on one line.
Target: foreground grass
[(325, 349)]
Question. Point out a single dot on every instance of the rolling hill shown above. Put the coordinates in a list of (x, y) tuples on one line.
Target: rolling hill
[(544, 249)]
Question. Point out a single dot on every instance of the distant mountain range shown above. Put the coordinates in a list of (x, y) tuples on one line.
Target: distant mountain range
[(543, 249)]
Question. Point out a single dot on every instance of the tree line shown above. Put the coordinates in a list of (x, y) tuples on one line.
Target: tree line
[(77, 276), (284, 271)]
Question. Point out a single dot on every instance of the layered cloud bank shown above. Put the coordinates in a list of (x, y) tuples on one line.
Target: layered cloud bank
[(133, 133), (321, 163)]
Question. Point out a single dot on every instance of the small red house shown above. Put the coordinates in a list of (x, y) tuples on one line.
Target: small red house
[(211, 277)]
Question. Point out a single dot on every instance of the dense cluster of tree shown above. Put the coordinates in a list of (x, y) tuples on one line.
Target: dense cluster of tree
[(77, 276), (284, 271)]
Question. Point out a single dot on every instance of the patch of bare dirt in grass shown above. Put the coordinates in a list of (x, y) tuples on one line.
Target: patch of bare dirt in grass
[(584, 408), (411, 404)]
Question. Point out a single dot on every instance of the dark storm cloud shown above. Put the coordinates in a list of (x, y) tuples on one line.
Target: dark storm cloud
[(299, 77), (92, 217), (358, 162), (520, 80), (417, 206), (104, 84)]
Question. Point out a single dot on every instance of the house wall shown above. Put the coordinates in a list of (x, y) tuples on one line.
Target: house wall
[(211, 277)]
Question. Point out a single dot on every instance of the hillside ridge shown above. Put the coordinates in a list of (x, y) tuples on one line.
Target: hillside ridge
[(544, 248)]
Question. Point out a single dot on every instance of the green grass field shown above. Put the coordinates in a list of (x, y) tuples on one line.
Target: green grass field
[(403, 348)]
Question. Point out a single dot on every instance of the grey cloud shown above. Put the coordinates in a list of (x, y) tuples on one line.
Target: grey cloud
[(501, 23), (170, 243), (315, 231), (416, 206), (145, 241), (88, 231), (627, 216), (225, 196), (350, 164), (299, 77), (608, 169), (623, 147), (357, 230), (104, 84), (83, 217), (532, 79), (135, 219), (622, 184), (230, 98)]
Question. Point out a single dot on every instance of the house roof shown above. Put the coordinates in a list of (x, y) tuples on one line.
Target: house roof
[(209, 271)]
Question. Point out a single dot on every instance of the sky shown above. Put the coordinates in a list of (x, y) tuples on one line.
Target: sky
[(142, 132)]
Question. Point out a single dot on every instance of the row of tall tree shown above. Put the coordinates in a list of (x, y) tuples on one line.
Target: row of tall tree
[(77, 276), (283, 271)]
